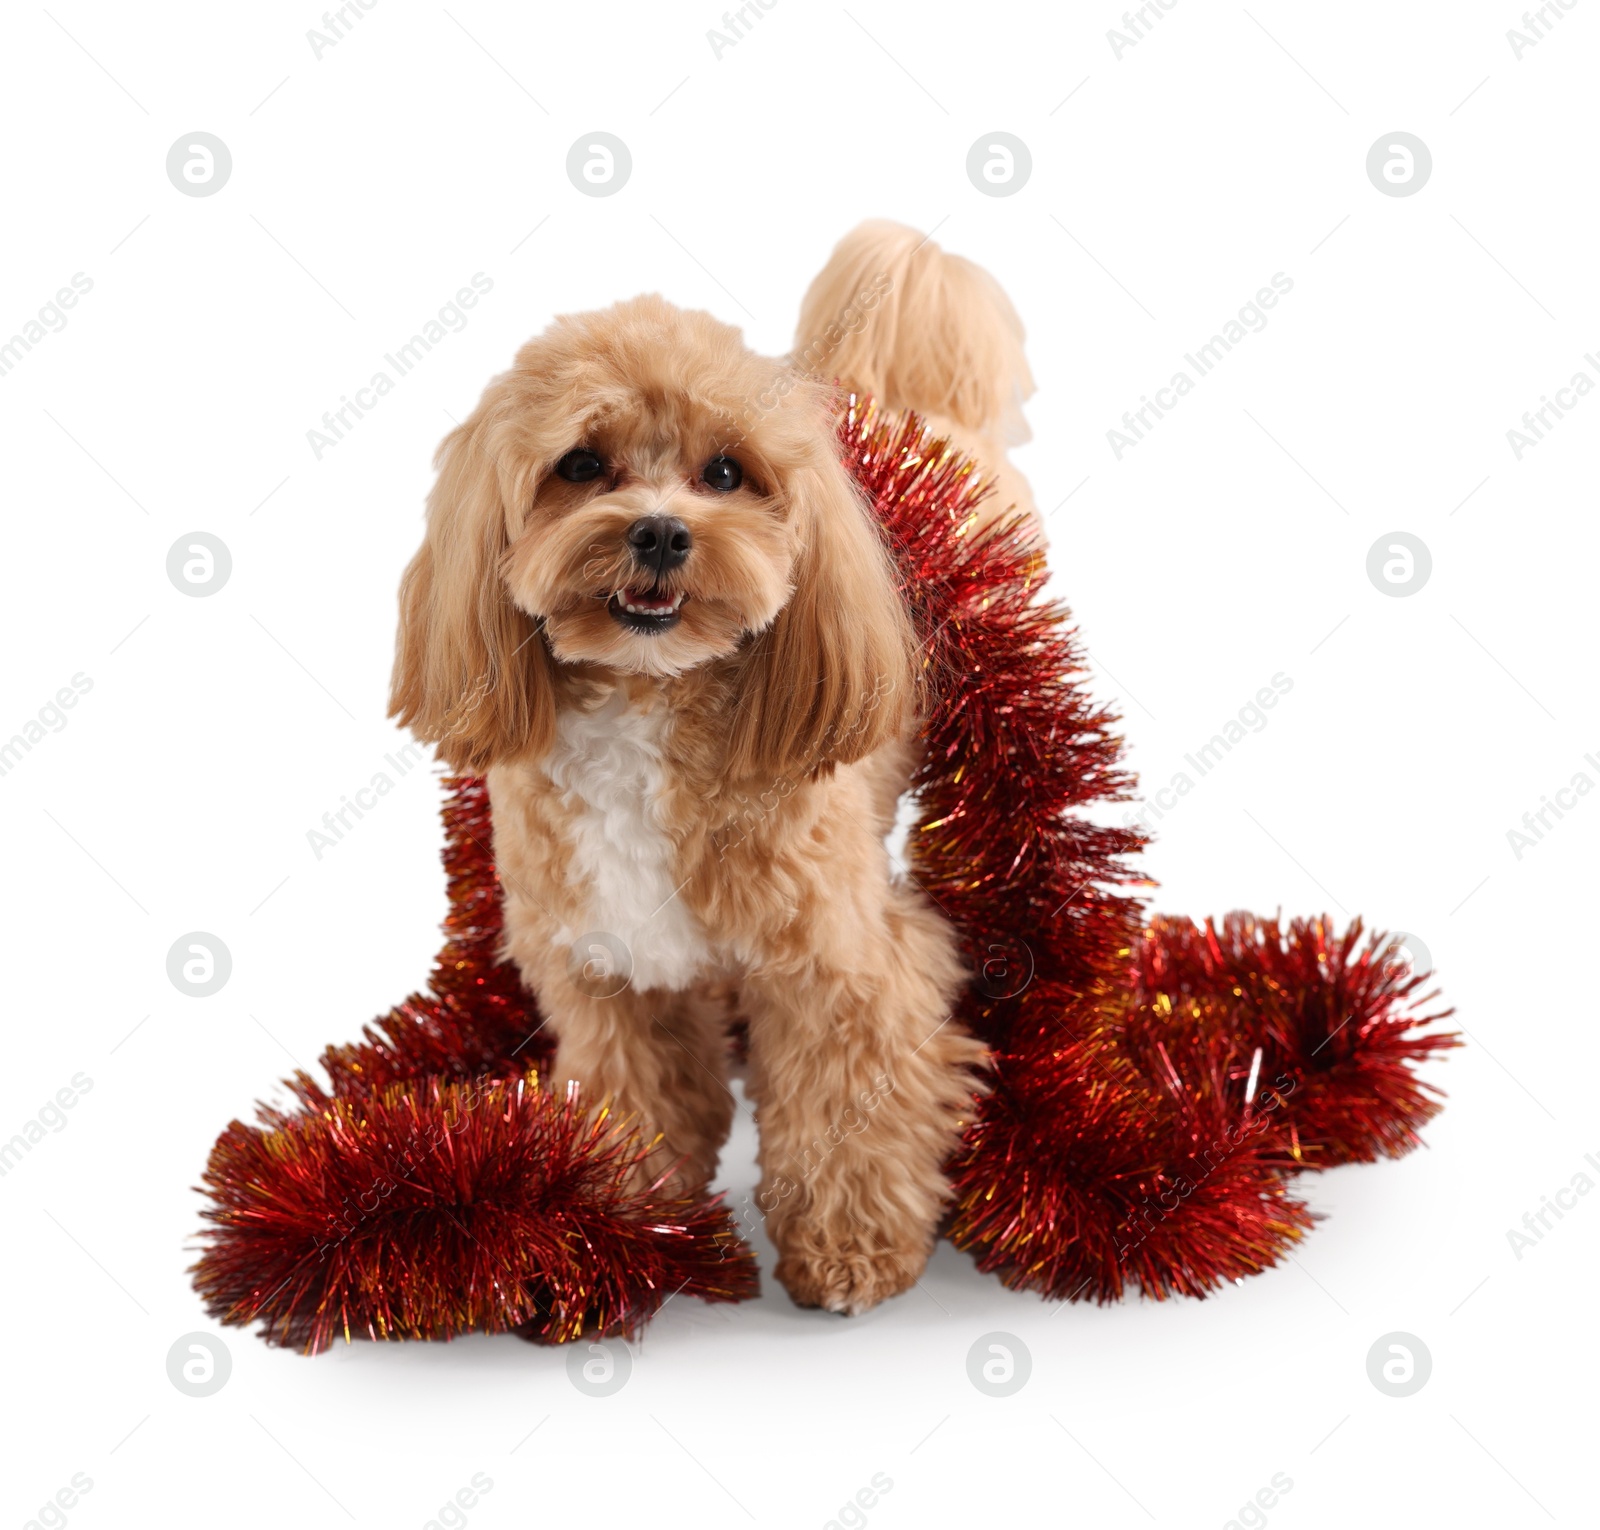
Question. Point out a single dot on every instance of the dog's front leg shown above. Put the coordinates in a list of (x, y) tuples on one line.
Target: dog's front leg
[(862, 1085), (655, 1054)]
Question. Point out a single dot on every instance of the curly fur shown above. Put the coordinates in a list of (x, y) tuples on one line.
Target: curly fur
[(713, 799)]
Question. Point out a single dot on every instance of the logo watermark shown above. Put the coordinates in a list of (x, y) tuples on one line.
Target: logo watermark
[(739, 24), (1250, 319), (52, 716), (53, 1512), (199, 564), (600, 964), (810, 1159), (50, 1119), (1253, 1515), (1254, 1120), (337, 25), (1537, 25), (49, 319), (1399, 564), (336, 822), (853, 1514), (450, 319), (599, 164), (1537, 822), (999, 1364), (1399, 164), (999, 164), (599, 1369), (1537, 1223), (199, 164), (1399, 1364), (198, 1364), (453, 1514), (199, 964), (1407, 956), (1250, 718), (1537, 423), (1137, 25)]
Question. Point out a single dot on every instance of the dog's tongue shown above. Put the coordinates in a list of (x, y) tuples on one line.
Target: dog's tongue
[(648, 600)]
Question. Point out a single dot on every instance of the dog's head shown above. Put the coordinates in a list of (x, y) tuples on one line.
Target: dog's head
[(642, 494)]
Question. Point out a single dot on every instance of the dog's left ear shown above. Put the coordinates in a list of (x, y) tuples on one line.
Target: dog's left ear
[(834, 677)]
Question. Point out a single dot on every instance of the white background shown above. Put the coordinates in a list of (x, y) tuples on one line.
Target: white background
[(1167, 186)]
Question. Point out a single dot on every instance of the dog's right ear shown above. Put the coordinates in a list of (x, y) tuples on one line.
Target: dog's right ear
[(472, 673)]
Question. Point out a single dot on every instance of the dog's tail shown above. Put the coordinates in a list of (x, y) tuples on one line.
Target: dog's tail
[(893, 315)]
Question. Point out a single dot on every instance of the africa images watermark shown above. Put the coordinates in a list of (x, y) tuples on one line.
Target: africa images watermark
[(851, 321), (810, 1159), (1537, 423), (337, 25), (450, 319), (852, 1514), (1537, 822), (336, 822), (1252, 1514), (452, 1514), (1207, 1161), (749, 813), (50, 319), (739, 24), (811, 361), (1137, 24), (421, 1144), (1537, 1223), (52, 716), (1537, 24), (1250, 718), (52, 1513), (50, 1118), (1203, 360)]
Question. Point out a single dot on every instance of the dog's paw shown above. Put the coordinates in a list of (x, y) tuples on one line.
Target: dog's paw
[(849, 1280)]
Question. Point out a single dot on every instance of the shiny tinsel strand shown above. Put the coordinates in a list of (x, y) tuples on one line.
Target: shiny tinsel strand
[(1118, 1148), (427, 1209), (1156, 1082)]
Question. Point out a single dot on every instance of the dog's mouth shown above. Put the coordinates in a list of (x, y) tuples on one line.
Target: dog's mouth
[(651, 610)]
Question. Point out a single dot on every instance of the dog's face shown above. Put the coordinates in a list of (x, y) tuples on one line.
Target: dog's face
[(659, 536), (644, 494)]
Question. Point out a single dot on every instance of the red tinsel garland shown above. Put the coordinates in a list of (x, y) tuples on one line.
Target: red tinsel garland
[(1155, 1085), (427, 1209)]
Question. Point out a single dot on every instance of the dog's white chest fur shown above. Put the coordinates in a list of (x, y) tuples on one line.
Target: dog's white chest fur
[(609, 763)]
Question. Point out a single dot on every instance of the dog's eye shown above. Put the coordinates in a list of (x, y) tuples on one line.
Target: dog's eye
[(722, 474), (580, 465)]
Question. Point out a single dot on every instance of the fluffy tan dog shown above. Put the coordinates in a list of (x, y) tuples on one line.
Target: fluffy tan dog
[(651, 607)]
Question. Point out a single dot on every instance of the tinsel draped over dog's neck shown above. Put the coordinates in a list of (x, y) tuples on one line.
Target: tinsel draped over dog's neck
[(1156, 1083)]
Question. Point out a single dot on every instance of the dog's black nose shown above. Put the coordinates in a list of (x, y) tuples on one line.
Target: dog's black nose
[(659, 542)]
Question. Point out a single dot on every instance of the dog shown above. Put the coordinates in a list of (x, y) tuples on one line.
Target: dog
[(651, 608)]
